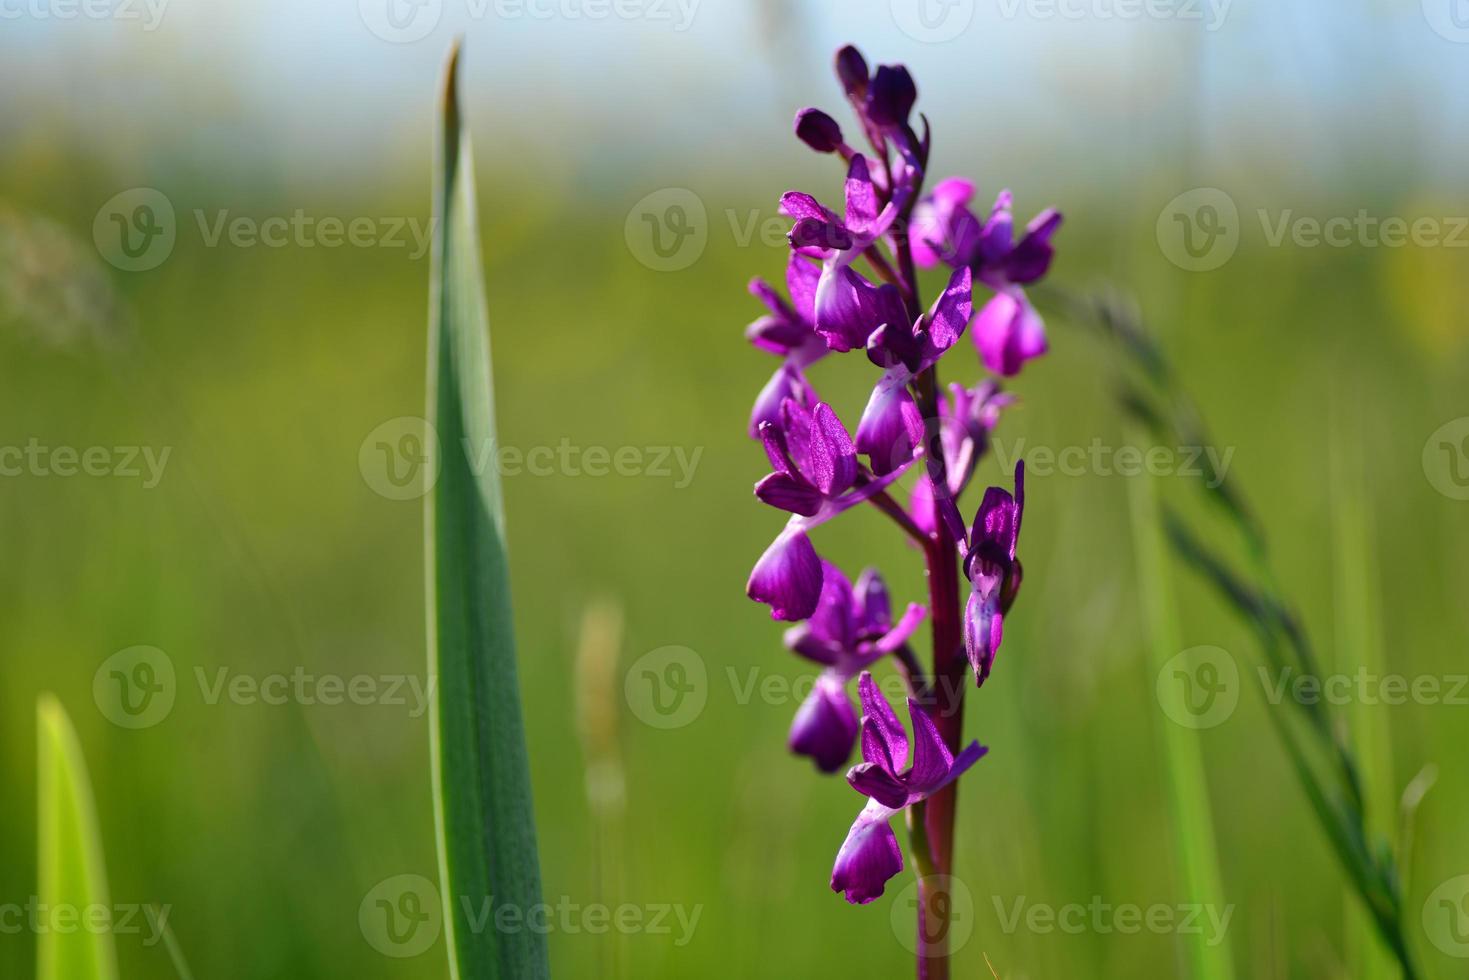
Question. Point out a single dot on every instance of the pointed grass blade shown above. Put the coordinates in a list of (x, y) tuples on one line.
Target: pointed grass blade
[(70, 868), (481, 777)]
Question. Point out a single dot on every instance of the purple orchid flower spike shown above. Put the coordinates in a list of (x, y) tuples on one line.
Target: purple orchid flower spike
[(994, 572), (892, 429), (870, 855), (966, 419), (818, 470), (843, 298), (789, 332), (849, 632), (815, 478)]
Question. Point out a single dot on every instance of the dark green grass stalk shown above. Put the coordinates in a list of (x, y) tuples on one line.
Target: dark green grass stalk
[(1325, 761)]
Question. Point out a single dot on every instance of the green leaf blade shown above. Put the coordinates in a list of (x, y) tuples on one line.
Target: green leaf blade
[(71, 871), (481, 773)]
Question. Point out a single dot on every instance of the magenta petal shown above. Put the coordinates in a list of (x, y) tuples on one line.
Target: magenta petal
[(943, 229), (891, 427), (876, 782), (833, 460), (952, 311), (787, 577), (983, 630), (868, 857), (842, 308), (931, 757), (999, 231), (777, 335), (1032, 255), (789, 494), (794, 204), (1009, 332), (832, 620), (920, 505), (873, 606), (884, 743), (820, 236), (996, 531), (801, 277), (861, 197), (825, 726), (784, 383), (804, 640)]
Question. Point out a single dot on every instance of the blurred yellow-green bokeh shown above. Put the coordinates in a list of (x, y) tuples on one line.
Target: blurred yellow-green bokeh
[(234, 373)]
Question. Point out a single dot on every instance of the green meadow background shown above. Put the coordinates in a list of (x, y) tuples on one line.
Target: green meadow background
[(264, 548)]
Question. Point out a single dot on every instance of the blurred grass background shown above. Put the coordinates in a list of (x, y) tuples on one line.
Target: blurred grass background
[(263, 548)]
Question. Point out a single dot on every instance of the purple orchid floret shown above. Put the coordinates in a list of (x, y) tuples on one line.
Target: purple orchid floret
[(1008, 331), (821, 132), (843, 298), (891, 428), (849, 632), (815, 478), (870, 855), (789, 332), (853, 73), (993, 571), (890, 97)]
